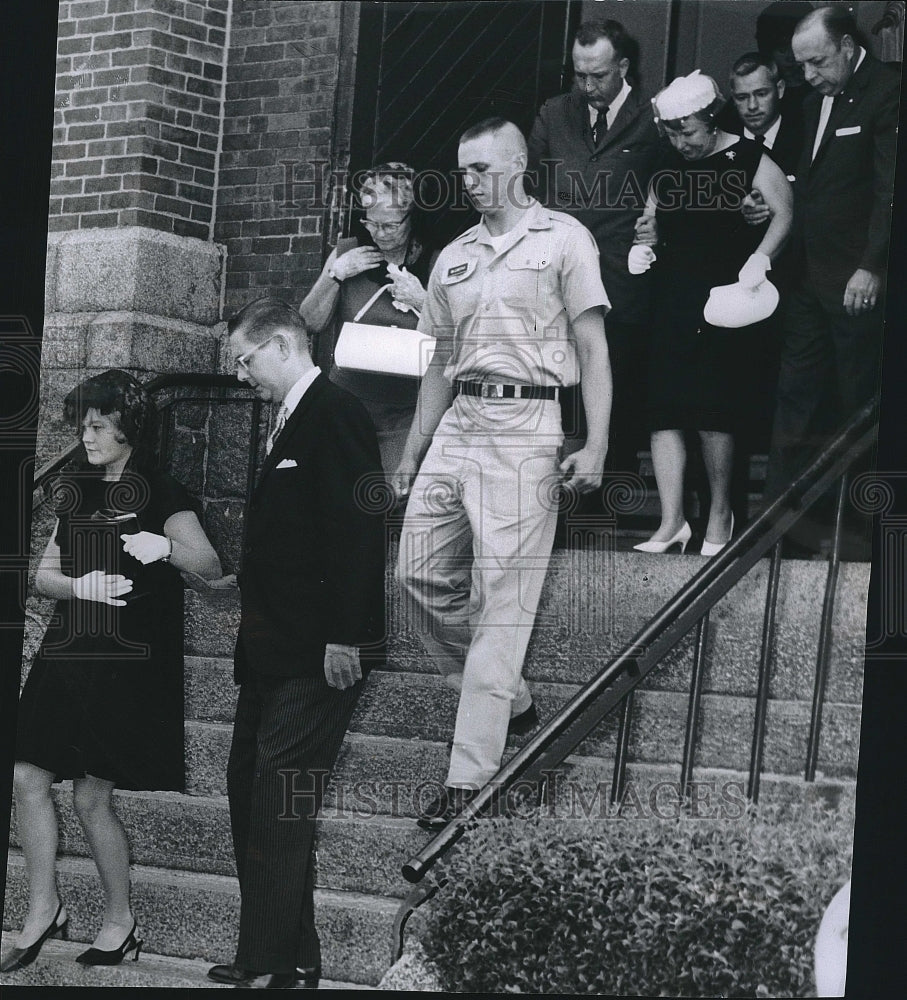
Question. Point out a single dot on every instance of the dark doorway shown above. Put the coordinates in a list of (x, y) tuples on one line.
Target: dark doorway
[(426, 71)]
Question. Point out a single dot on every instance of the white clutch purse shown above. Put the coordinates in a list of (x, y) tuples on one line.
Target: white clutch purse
[(389, 350)]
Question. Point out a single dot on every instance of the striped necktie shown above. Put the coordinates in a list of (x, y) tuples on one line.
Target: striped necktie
[(277, 428)]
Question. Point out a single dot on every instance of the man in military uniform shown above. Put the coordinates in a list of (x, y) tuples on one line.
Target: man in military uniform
[(517, 306)]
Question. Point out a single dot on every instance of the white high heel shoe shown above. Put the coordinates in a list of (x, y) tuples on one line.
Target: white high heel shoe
[(683, 536), (713, 548)]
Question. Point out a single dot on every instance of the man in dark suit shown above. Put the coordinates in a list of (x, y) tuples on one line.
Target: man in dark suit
[(757, 96), (842, 216), (757, 110), (312, 585), (594, 151)]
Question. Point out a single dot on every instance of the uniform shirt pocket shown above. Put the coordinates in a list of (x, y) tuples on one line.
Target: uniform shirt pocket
[(529, 277)]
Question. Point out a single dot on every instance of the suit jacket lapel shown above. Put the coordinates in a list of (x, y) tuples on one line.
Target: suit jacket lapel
[(579, 109), (847, 101), (293, 422), (628, 113)]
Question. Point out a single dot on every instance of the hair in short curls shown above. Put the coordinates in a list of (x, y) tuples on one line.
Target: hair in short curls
[(388, 181), (118, 395)]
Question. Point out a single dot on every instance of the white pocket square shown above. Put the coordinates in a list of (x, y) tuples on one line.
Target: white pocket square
[(287, 463), (851, 130)]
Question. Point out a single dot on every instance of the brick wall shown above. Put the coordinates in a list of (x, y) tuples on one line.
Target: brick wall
[(137, 114), (278, 123)]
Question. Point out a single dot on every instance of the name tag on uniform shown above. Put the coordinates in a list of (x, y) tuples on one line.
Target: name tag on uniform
[(851, 130), (458, 272)]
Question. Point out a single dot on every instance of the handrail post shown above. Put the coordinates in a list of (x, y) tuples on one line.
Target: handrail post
[(696, 680), (619, 775), (824, 651), (765, 665)]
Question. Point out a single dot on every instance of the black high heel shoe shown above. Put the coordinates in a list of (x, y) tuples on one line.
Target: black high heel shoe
[(19, 958), (96, 956)]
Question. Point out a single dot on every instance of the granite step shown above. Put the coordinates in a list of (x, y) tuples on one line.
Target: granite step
[(358, 848), (196, 916), (56, 966), (595, 602), (656, 736), (366, 830)]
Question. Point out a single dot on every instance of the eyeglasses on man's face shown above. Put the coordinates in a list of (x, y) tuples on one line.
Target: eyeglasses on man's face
[(243, 360)]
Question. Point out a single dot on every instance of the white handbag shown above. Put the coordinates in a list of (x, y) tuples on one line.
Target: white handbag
[(389, 350)]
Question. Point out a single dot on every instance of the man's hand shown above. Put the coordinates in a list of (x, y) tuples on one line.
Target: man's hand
[(402, 479), (355, 261), (104, 588), (646, 230), (583, 470), (862, 292), (341, 666), (754, 209), (146, 546)]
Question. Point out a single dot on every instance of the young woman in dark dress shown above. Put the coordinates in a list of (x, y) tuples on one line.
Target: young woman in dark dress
[(103, 701), (699, 373), (397, 257)]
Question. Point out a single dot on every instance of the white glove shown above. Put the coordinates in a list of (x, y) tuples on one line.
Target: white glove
[(102, 587), (640, 258), (753, 272), (147, 547)]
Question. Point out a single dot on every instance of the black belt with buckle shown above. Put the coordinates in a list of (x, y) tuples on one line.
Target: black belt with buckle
[(496, 390)]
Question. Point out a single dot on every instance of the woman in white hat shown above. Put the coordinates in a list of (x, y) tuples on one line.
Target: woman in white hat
[(694, 231)]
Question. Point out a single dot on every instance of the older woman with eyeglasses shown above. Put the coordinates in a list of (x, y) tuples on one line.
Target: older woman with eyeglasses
[(382, 281)]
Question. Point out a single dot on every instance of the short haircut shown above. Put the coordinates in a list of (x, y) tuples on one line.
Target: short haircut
[(487, 126), (591, 32), (775, 25), (491, 126), (837, 21), (118, 395), (266, 316), (749, 62)]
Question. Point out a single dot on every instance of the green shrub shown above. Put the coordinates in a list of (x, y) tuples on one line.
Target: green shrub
[(681, 907)]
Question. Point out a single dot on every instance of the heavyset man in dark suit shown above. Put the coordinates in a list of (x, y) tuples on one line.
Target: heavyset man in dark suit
[(594, 151), (842, 215), (312, 585)]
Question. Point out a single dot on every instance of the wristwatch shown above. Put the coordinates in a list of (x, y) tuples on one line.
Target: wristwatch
[(334, 276), (166, 558)]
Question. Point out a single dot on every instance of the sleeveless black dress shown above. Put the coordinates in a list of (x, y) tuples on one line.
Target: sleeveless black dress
[(104, 696), (701, 377)]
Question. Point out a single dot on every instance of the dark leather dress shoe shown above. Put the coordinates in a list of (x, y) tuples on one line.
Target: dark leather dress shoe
[(441, 811), (232, 975), (308, 979), (523, 723)]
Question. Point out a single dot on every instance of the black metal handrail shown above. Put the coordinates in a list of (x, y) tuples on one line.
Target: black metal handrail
[(613, 686)]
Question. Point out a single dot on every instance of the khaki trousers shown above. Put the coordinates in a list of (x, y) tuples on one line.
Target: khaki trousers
[(474, 552)]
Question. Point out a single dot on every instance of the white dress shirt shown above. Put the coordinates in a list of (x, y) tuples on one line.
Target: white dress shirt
[(827, 102), (616, 105)]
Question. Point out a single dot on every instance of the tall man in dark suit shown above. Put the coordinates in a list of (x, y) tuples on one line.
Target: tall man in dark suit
[(842, 215), (594, 151), (312, 585)]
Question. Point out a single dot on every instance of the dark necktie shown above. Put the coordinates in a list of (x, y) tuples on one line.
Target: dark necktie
[(600, 126), (759, 140)]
